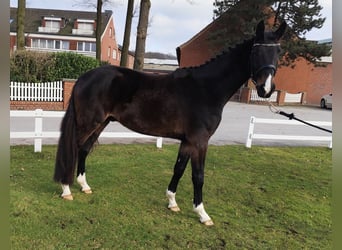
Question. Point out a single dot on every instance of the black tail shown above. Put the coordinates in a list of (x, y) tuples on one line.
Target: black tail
[(67, 152)]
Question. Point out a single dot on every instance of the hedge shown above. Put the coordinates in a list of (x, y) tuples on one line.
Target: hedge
[(29, 66)]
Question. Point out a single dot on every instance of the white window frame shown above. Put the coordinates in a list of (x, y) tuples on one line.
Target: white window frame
[(42, 43), (115, 54), (81, 46)]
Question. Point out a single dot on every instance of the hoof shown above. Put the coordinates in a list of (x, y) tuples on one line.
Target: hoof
[(174, 209), (208, 223), (87, 191), (67, 197)]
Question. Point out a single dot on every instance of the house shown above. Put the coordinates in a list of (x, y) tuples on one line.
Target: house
[(65, 30), (304, 77)]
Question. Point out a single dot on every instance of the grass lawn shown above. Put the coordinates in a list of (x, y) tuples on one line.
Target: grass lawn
[(259, 198)]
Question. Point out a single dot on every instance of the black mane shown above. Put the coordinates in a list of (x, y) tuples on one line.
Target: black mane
[(225, 58)]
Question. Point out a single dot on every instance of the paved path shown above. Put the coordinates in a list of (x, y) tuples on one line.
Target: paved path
[(232, 130)]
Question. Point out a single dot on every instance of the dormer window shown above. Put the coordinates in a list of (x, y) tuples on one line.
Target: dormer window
[(50, 25), (84, 27)]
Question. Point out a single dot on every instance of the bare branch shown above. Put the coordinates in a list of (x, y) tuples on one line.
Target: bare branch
[(92, 4)]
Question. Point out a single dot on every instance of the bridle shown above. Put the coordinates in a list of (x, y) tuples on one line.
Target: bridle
[(264, 66)]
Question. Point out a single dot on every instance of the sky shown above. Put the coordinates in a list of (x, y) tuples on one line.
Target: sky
[(172, 22)]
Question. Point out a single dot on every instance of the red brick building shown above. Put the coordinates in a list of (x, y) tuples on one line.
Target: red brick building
[(304, 77), (64, 30)]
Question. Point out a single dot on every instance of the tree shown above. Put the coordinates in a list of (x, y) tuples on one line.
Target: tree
[(300, 15), (127, 34), (98, 29), (145, 6), (20, 24)]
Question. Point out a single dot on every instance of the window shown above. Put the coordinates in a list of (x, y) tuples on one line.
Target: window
[(35, 43), (50, 44), (114, 54), (110, 32), (52, 24), (109, 51), (86, 46), (66, 45), (42, 43), (58, 44), (85, 26)]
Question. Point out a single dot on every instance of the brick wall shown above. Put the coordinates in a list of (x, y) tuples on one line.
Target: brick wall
[(51, 106), (305, 77), (109, 45)]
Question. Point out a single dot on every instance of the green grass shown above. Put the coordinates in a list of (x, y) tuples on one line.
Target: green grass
[(259, 198)]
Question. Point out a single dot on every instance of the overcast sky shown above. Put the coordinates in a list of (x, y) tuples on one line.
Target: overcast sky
[(173, 22)]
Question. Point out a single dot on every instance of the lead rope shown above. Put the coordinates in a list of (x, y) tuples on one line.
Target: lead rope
[(291, 116)]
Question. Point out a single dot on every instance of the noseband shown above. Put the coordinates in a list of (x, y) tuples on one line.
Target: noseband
[(265, 66)]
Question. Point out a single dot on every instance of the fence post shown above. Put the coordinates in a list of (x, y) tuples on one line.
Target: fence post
[(159, 142), (38, 130), (250, 132)]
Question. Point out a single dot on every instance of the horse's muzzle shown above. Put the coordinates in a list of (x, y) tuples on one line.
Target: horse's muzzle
[(262, 93), (265, 86)]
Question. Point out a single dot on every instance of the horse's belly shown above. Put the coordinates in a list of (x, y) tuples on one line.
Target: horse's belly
[(153, 123)]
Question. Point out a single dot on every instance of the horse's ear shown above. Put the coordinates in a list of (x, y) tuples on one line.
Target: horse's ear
[(260, 30), (281, 30)]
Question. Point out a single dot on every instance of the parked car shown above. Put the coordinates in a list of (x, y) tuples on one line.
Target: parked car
[(326, 101)]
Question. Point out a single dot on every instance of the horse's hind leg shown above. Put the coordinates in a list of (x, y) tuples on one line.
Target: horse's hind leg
[(180, 165), (82, 155), (83, 151), (81, 177)]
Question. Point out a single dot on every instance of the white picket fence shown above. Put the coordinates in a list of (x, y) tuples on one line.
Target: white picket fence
[(293, 98), (38, 134), (289, 98), (254, 120), (45, 91), (255, 97)]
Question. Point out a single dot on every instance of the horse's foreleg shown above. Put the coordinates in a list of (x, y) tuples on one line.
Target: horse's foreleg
[(180, 165), (197, 164)]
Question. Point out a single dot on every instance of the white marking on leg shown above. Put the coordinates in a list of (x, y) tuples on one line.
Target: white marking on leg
[(172, 201), (268, 84), (81, 179), (204, 217), (66, 192)]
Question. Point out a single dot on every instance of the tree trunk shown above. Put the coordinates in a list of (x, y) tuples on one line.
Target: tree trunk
[(127, 35), (141, 34), (98, 29), (21, 25)]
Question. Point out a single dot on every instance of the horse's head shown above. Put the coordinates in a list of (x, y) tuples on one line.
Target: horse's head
[(264, 58)]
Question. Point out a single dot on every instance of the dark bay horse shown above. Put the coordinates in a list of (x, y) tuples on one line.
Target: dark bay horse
[(186, 104)]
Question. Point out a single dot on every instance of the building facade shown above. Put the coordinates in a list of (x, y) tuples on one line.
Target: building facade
[(49, 30)]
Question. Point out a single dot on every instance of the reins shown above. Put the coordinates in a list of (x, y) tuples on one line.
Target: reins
[(291, 116)]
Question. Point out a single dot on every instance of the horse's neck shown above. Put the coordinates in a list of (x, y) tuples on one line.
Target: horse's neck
[(228, 72)]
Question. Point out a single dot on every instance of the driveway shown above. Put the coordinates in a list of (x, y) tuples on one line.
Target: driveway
[(232, 130)]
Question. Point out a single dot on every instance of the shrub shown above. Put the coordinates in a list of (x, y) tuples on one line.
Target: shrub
[(29, 66), (32, 66)]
